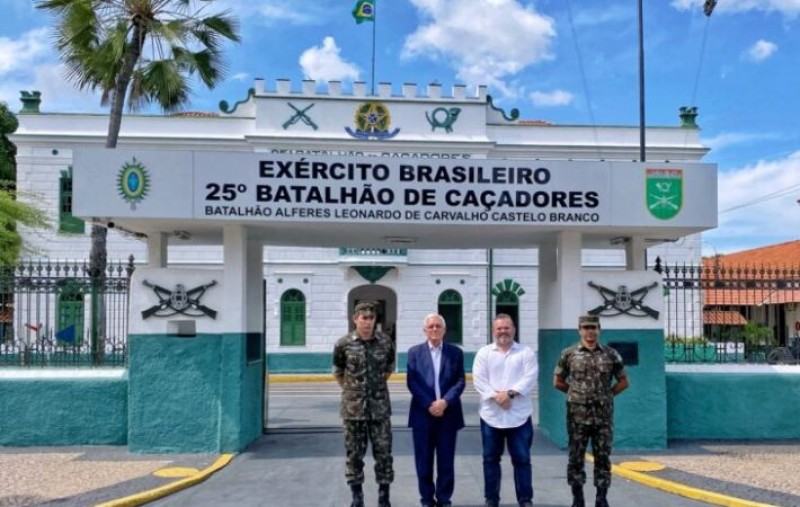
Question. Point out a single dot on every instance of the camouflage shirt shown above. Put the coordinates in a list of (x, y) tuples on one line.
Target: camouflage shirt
[(364, 365), (590, 374)]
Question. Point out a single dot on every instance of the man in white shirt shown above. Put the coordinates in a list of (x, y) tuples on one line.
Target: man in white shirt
[(504, 374)]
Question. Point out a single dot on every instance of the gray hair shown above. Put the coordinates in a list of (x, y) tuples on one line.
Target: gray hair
[(432, 316)]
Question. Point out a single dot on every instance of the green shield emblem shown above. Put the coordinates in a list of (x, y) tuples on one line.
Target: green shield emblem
[(664, 192)]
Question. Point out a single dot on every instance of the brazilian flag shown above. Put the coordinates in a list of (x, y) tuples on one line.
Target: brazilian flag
[(364, 11)]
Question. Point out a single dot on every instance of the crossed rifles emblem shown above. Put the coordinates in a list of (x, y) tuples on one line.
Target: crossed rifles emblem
[(179, 300), (661, 201), (299, 115), (623, 301)]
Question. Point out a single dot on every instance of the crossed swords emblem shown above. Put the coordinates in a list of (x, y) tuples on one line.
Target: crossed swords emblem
[(299, 115), (623, 301), (179, 300)]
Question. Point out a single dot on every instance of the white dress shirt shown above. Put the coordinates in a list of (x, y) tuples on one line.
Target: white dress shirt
[(436, 359), (493, 371)]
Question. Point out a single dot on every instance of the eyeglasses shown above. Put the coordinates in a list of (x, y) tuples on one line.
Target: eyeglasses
[(589, 327), (434, 326)]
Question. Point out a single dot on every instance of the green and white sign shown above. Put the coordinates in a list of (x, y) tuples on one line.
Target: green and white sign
[(664, 192)]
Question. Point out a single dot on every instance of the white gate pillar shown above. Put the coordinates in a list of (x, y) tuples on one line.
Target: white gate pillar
[(196, 357)]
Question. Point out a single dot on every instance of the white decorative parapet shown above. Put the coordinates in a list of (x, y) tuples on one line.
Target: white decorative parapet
[(310, 88)]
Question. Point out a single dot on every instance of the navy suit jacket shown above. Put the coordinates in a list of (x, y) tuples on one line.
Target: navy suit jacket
[(420, 382)]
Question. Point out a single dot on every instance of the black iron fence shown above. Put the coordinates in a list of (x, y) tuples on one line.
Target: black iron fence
[(720, 313), (56, 314)]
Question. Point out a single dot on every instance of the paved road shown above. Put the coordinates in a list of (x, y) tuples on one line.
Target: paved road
[(300, 461)]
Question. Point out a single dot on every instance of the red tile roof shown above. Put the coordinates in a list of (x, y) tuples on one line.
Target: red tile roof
[(723, 318), (780, 255), (196, 114), (750, 297)]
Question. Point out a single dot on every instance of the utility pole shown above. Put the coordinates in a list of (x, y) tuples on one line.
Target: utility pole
[(642, 154)]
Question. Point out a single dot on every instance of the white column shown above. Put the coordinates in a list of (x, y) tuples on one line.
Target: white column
[(560, 278), (243, 272), (635, 254), (157, 250)]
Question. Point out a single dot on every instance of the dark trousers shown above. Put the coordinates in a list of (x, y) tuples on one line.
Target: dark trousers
[(439, 443), (356, 436), (519, 441)]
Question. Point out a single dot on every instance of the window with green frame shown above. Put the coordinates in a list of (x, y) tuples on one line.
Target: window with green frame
[(293, 318), (450, 307), (70, 309), (66, 221)]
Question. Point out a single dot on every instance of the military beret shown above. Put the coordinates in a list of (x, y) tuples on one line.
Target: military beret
[(365, 307), (588, 319)]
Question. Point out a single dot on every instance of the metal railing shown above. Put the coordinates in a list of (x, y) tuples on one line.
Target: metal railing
[(55, 314), (721, 313)]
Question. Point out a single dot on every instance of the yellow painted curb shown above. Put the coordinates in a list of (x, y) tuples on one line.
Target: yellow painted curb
[(286, 378), (642, 466), (682, 490), (175, 472), (168, 489)]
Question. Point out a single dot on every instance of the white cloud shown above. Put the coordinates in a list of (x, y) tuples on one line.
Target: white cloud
[(485, 41), (604, 15), (758, 204), (788, 8), (324, 63), (240, 76), (272, 12), (554, 98), (29, 63), (760, 51), (728, 139), (57, 94), (18, 54)]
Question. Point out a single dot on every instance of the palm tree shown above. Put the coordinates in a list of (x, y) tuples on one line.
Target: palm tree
[(142, 51)]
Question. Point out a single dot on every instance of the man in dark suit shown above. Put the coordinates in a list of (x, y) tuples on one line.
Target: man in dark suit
[(436, 380)]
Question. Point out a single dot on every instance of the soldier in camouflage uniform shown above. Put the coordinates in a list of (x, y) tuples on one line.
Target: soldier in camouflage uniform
[(591, 374), (362, 362)]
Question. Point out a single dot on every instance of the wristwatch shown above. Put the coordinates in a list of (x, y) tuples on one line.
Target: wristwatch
[(511, 393)]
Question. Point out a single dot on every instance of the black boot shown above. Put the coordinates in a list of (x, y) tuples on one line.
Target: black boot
[(358, 495), (383, 496), (577, 496), (600, 499)]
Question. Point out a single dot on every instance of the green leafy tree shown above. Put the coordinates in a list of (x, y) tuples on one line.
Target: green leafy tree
[(140, 52), (8, 166), (12, 213)]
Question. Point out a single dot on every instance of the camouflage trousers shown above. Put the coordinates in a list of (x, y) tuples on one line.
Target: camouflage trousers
[(601, 436), (356, 436)]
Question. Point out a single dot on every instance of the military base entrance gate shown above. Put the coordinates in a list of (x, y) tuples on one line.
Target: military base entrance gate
[(210, 321)]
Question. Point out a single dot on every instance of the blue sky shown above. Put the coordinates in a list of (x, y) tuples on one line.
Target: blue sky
[(563, 61)]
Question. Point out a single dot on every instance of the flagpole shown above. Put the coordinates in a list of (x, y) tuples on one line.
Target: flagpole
[(374, 22)]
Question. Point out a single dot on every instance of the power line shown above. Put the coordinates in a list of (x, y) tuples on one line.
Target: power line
[(783, 192)]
